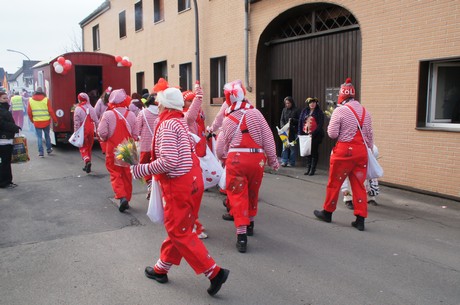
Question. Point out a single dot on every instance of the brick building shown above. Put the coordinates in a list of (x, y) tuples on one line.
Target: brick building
[(403, 57)]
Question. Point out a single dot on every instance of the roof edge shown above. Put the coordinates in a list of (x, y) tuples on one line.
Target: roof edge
[(99, 11)]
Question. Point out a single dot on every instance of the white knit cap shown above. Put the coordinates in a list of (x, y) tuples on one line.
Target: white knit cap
[(234, 90), (171, 98), (117, 96)]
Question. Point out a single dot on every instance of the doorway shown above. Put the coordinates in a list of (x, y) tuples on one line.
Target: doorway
[(89, 79)]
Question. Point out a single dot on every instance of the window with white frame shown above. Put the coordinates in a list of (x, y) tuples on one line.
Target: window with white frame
[(122, 24), (443, 97), (138, 16), (185, 76), (183, 5), (96, 38), (158, 10), (218, 79)]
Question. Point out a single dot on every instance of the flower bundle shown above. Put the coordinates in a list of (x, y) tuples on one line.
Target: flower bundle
[(126, 153)]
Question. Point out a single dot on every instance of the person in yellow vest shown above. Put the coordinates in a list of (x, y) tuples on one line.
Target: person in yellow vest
[(40, 113), (17, 109)]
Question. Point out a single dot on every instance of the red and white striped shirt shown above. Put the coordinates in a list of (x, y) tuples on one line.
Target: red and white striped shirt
[(79, 115), (259, 131), (343, 125), (146, 126), (107, 124)]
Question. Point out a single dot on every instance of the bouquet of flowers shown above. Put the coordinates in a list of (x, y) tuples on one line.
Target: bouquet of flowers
[(126, 153)]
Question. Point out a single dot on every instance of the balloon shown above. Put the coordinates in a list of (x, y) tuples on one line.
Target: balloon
[(59, 69), (118, 58), (61, 60), (119, 64), (124, 62), (126, 58), (67, 66), (130, 64), (64, 72), (55, 64), (68, 62)]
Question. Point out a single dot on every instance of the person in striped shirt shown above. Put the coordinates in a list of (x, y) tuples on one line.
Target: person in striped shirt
[(247, 142), (349, 156), (177, 168)]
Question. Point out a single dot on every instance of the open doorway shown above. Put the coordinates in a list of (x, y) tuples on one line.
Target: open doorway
[(280, 89), (89, 79)]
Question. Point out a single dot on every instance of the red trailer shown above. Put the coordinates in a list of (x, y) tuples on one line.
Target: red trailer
[(89, 72)]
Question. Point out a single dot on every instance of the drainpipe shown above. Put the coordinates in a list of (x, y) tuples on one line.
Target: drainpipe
[(246, 44), (197, 42)]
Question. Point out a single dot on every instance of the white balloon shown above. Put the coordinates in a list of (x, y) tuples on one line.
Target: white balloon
[(68, 62), (119, 64), (59, 69), (55, 64), (126, 58)]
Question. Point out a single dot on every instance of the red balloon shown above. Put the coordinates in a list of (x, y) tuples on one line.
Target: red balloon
[(130, 64), (124, 62), (118, 58), (67, 66), (61, 60)]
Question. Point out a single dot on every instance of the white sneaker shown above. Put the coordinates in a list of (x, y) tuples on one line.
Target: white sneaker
[(202, 235)]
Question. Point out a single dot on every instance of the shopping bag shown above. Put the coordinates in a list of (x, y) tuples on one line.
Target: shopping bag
[(155, 210), (283, 133), (211, 168), (78, 137), (374, 170), (223, 180), (305, 145), (20, 150)]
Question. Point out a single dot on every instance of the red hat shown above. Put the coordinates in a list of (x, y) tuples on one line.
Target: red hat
[(83, 97), (188, 96), (346, 91)]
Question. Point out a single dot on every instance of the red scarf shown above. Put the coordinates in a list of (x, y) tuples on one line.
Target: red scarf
[(238, 105), (165, 115)]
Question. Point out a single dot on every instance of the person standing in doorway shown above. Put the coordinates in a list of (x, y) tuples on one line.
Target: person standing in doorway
[(40, 112), (311, 123), (290, 114)]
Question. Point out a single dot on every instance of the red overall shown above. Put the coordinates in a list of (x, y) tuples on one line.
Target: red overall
[(348, 159), (244, 177), (120, 177), (145, 157), (182, 196), (86, 149)]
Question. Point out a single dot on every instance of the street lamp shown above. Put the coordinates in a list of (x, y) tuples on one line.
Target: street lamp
[(9, 50)]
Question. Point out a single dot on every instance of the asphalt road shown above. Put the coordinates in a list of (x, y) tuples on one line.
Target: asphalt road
[(63, 241)]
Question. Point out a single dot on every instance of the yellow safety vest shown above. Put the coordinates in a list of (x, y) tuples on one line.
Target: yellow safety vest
[(40, 110), (16, 103)]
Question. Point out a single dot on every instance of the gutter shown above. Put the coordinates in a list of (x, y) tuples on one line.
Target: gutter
[(246, 44)]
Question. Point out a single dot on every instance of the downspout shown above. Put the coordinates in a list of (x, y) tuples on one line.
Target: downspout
[(246, 44), (197, 42)]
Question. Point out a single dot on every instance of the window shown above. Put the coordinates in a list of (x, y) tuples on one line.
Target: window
[(160, 69), (439, 94), (122, 24), (158, 10), (96, 38), (218, 79), (183, 5), (185, 76), (138, 16), (140, 81)]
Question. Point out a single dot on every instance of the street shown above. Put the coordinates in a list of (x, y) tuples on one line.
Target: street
[(63, 241)]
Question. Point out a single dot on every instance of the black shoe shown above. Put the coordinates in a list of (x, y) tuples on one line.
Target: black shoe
[(227, 216), (241, 243), (151, 274), (349, 204), (323, 215), (358, 223), (250, 229), (373, 202), (225, 203), (307, 172), (84, 168), (88, 167), (124, 205), (218, 281), (49, 151)]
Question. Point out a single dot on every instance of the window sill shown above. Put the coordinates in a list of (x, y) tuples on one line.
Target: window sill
[(444, 129)]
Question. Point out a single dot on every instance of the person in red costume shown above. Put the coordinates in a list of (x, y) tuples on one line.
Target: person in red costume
[(82, 111), (349, 156), (247, 142), (177, 168), (117, 125)]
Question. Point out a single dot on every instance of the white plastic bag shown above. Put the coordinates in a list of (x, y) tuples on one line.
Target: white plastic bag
[(305, 145), (374, 170), (155, 210), (78, 137), (211, 168), (223, 180)]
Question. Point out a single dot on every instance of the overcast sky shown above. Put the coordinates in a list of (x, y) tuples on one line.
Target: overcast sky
[(41, 29)]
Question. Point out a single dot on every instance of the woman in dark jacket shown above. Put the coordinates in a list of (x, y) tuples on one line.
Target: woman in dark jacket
[(290, 114), (7, 130), (311, 122)]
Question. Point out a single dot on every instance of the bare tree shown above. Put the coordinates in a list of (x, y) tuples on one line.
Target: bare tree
[(75, 44)]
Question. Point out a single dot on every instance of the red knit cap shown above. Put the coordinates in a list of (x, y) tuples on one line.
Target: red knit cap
[(83, 97), (346, 91), (188, 96)]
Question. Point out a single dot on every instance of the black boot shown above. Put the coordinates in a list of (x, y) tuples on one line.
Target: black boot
[(250, 229), (308, 166), (242, 242), (314, 161), (88, 167), (323, 215), (218, 280), (358, 223)]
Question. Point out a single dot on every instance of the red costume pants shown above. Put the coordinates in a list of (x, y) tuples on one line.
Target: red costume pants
[(348, 159), (183, 198), (244, 172), (145, 158), (87, 148)]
